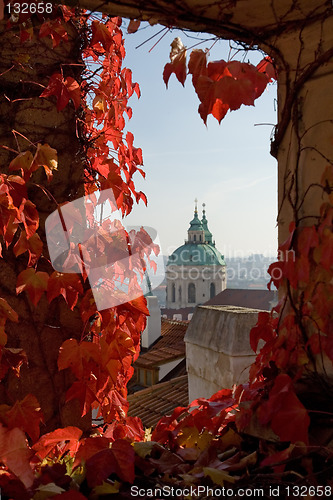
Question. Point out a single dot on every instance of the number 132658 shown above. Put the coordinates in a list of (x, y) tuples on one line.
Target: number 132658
[(30, 8)]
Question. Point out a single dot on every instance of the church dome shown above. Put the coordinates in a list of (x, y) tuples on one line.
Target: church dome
[(196, 224), (204, 221), (196, 254), (199, 249), (196, 270)]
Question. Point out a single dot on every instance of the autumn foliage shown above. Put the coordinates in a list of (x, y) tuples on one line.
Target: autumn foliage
[(207, 442), (220, 85)]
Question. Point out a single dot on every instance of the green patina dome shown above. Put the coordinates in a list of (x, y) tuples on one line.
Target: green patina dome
[(199, 250), (196, 254), (196, 224), (208, 234)]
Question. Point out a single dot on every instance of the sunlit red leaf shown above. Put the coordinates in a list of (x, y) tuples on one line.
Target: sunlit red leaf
[(68, 285), (131, 428), (101, 35), (46, 157), (64, 89), (66, 438), (99, 106), (207, 91), (74, 355)]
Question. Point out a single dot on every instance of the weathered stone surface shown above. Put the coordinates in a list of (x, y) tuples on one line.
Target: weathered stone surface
[(218, 352)]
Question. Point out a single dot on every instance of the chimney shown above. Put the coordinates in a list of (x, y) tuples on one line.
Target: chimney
[(153, 329)]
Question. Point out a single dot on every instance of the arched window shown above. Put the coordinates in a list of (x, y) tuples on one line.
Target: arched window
[(212, 291), (180, 293), (191, 293), (195, 237), (173, 293)]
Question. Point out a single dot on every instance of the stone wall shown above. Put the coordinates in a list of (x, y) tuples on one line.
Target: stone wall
[(218, 352)]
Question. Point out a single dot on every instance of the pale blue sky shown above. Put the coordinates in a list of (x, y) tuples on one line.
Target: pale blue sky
[(226, 166)]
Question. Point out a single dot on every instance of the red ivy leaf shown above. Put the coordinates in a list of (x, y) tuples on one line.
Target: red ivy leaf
[(178, 62), (55, 29), (223, 85), (133, 26), (33, 245), (26, 415), (68, 285), (119, 460), (266, 66), (82, 391), (64, 90), (262, 330), (289, 419), (15, 454), (33, 282), (13, 359), (66, 438), (30, 218), (74, 355), (101, 35), (90, 447), (197, 65), (47, 158)]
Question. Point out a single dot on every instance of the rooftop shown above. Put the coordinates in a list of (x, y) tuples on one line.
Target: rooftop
[(158, 400), (253, 299), (168, 347)]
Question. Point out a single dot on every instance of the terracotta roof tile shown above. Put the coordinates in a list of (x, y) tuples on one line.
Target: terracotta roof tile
[(168, 347), (158, 400)]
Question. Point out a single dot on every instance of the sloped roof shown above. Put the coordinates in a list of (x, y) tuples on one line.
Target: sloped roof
[(168, 347), (158, 400), (253, 299)]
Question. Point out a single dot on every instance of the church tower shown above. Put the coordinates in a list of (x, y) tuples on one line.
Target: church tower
[(196, 271)]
